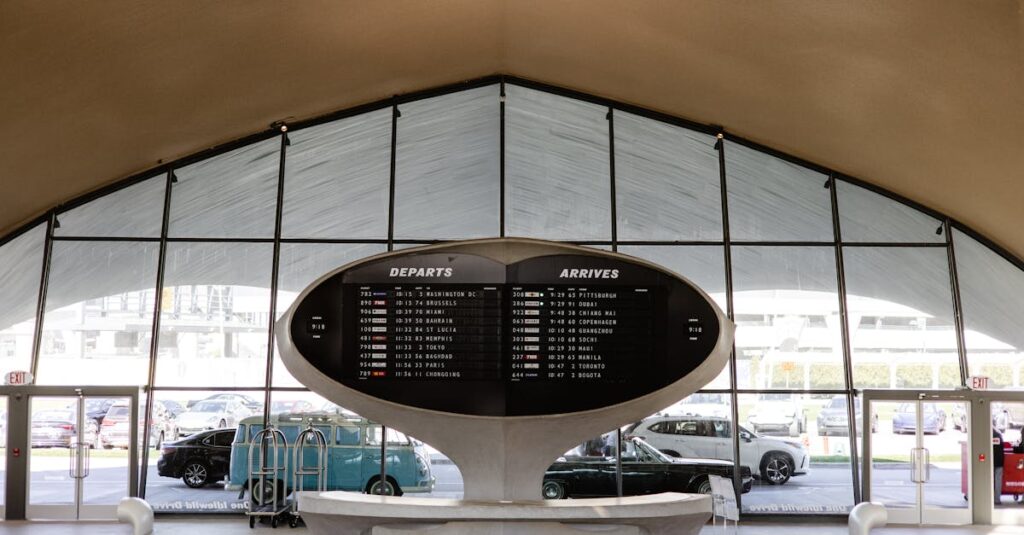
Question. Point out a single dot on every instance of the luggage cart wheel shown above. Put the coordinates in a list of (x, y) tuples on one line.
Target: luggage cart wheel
[(252, 522), (273, 522), (294, 522)]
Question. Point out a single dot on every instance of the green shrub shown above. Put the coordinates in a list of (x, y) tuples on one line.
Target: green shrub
[(827, 376), (1001, 375), (871, 375)]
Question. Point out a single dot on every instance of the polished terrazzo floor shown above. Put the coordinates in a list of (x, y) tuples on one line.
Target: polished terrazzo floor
[(200, 525)]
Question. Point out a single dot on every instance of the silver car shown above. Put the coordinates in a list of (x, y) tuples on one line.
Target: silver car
[(209, 414), (775, 459)]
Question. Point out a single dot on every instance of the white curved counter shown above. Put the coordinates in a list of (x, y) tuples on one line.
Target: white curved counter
[(347, 513)]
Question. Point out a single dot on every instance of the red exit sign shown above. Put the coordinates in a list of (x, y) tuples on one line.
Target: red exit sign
[(979, 382), (18, 378)]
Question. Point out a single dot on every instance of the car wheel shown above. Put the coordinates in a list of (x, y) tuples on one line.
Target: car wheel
[(389, 488), (794, 429), (777, 468), (222, 424), (703, 487), (159, 441), (874, 424), (196, 474), (552, 490)]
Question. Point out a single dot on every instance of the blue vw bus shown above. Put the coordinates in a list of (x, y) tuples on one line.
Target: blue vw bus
[(353, 459)]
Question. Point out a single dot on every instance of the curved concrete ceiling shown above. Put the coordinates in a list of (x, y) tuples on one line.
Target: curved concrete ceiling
[(923, 98)]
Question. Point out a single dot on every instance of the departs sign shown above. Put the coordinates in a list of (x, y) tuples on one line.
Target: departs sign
[(527, 330), (18, 378)]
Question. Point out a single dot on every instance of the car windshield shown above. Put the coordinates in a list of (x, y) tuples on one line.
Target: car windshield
[(837, 403), (906, 407), (117, 411), (63, 416), (209, 406), (709, 399), (93, 405), (644, 452)]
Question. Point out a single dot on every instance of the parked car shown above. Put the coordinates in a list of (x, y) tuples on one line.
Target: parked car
[(778, 414), (904, 420), (254, 405), (96, 409), (198, 460), (834, 418), (290, 406), (207, 415), (57, 428), (959, 416), (716, 405), (1001, 420), (115, 429), (173, 408), (1014, 413), (645, 470), (774, 459), (353, 464)]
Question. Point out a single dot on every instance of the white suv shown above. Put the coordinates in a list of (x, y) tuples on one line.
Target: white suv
[(776, 460)]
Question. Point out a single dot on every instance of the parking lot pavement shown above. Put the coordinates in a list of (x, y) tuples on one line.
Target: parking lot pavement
[(827, 489)]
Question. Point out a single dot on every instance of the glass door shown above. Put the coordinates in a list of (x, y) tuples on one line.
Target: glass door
[(945, 485), (919, 459), (81, 454)]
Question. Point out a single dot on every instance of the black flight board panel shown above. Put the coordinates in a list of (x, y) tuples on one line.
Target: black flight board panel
[(468, 334), (446, 332), (579, 333)]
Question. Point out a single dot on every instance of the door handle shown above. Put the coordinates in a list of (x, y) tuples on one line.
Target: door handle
[(926, 469), (72, 467), (913, 465), (87, 453), (920, 472)]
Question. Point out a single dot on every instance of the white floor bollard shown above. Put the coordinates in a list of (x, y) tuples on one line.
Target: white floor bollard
[(138, 513), (866, 516)]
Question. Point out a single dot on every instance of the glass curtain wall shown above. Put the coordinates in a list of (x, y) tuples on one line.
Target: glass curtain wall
[(174, 281)]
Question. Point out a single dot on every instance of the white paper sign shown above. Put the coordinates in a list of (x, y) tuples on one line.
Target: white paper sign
[(722, 489)]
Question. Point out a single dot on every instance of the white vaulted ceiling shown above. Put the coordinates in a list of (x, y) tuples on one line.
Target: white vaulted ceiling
[(920, 97)]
